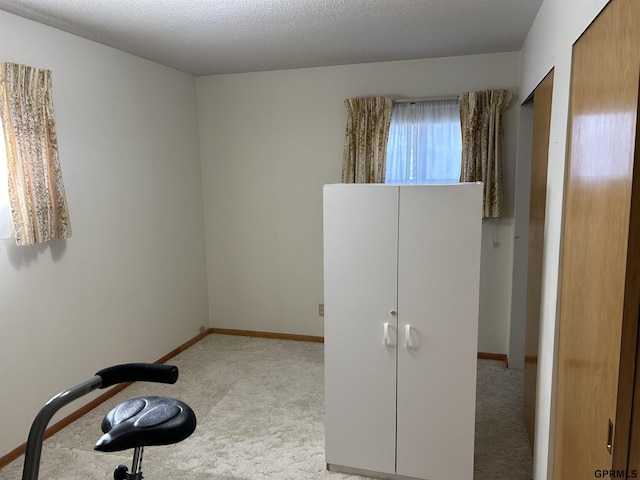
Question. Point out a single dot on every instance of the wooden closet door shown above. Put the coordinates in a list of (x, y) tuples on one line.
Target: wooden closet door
[(438, 292), (537, 209), (360, 291), (597, 319)]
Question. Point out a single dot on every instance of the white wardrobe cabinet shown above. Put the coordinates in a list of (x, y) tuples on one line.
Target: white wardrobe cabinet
[(401, 287)]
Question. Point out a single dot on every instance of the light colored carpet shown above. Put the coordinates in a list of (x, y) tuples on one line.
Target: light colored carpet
[(260, 409)]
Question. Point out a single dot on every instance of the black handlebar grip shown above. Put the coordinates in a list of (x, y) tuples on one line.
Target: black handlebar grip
[(138, 372)]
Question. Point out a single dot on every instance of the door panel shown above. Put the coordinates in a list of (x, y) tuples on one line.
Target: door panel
[(360, 271), (604, 101), (537, 206), (633, 460), (438, 290), (628, 408)]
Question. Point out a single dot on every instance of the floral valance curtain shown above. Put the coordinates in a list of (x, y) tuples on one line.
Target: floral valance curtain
[(365, 144), (36, 191), (482, 136)]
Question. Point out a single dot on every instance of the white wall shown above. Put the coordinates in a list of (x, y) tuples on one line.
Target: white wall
[(130, 285), (558, 24), (270, 140)]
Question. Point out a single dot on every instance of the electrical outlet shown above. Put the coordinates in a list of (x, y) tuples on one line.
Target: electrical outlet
[(321, 309)]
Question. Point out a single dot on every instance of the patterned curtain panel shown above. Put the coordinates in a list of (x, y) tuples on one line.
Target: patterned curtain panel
[(482, 134), (36, 192), (365, 141)]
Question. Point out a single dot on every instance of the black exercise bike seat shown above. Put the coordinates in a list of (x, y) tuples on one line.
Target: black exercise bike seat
[(146, 421)]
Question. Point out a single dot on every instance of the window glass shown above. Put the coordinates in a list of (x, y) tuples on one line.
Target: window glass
[(425, 143)]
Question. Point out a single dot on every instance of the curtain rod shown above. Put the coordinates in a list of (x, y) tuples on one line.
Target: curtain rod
[(425, 99)]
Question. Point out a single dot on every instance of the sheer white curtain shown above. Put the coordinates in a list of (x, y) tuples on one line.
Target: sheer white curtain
[(425, 143)]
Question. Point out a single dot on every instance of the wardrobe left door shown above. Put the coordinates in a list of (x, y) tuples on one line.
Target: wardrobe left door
[(360, 289)]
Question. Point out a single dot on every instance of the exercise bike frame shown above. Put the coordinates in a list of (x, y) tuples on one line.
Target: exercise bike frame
[(130, 372)]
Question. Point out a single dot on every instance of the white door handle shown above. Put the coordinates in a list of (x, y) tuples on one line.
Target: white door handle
[(407, 337), (387, 339)]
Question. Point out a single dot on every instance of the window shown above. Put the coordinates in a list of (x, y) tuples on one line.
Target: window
[(425, 143)]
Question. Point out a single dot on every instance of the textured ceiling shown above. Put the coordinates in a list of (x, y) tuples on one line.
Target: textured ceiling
[(206, 37)]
